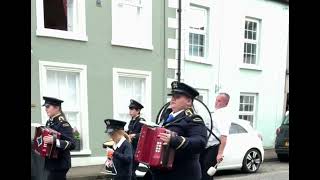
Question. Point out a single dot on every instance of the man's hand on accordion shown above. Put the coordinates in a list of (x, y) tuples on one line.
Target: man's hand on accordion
[(165, 137), (48, 139)]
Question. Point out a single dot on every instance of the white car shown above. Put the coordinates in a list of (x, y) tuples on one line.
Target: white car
[(243, 150)]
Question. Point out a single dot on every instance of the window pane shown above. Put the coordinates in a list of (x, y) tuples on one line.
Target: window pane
[(254, 46), (252, 99), (245, 47), (241, 107), (64, 85), (249, 34), (70, 14), (250, 118), (197, 18), (190, 50), (73, 119), (249, 48), (254, 35), (246, 99), (190, 38), (52, 84), (201, 52), (241, 99), (253, 59), (246, 34), (55, 14), (248, 59), (246, 107), (246, 25), (196, 39), (250, 107), (200, 97), (134, 89), (255, 26), (195, 51), (201, 40), (250, 26)]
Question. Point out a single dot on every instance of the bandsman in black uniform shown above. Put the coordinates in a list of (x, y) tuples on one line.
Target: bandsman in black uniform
[(58, 168), (121, 154), (134, 130), (191, 136)]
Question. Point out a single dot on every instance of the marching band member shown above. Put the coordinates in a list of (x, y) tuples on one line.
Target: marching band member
[(121, 154), (58, 168), (134, 130), (191, 136)]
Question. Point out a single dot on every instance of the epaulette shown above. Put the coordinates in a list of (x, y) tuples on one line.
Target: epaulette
[(196, 118), (61, 118), (189, 112)]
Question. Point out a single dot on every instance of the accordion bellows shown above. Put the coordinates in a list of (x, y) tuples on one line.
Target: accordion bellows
[(41, 148), (151, 151)]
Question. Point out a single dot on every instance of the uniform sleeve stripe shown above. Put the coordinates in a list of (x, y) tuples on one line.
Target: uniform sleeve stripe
[(66, 145), (183, 141)]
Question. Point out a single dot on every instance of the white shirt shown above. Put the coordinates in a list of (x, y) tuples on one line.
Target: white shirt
[(221, 121), (117, 145)]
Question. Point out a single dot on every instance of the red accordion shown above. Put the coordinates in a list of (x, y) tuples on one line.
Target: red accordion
[(151, 151), (41, 148)]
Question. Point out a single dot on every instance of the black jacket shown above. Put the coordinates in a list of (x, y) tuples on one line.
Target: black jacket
[(122, 159), (135, 128), (67, 143), (191, 139)]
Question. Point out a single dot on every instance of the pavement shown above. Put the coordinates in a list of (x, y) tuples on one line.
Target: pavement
[(94, 172)]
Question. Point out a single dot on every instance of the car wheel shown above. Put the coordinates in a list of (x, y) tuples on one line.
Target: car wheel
[(251, 161), (283, 157)]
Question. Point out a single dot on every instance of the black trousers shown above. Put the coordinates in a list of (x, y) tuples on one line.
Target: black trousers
[(57, 175), (134, 168), (208, 158)]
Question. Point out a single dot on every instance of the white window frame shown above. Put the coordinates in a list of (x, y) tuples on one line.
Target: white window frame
[(147, 75), (255, 105), (145, 40), (79, 23), (255, 66), (205, 59), (44, 66)]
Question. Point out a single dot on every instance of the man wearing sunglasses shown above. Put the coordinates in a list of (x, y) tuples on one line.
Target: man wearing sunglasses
[(191, 136)]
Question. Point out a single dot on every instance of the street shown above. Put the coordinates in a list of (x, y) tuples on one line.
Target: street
[(268, 171)]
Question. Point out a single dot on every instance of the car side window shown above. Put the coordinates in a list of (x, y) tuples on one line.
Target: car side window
[(236, 129)]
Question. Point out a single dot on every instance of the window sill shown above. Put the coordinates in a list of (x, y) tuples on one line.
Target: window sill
[(199, 60), (61, 34), (132, 44), (250, 67), (82, 152)]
